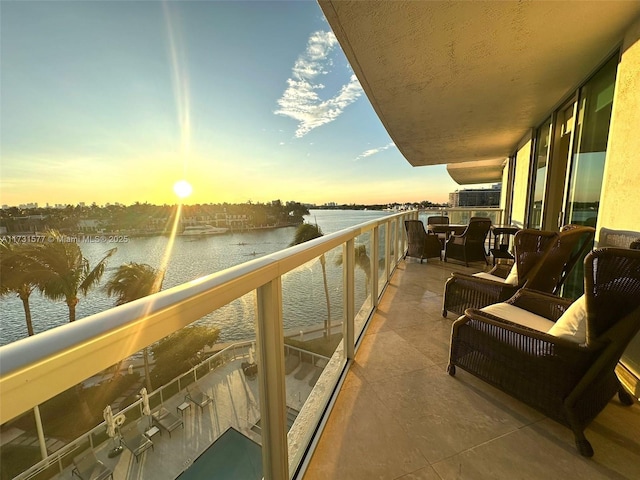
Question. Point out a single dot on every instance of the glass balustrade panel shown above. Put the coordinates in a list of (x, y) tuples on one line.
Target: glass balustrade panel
[(363, 302), (313, 317), (382, 233)]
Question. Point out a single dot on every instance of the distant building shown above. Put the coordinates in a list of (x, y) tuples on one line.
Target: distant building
[(476, 197)]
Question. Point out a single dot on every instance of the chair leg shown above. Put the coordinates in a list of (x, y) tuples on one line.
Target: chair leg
[(583, 445), (451, 370), (625, 397)]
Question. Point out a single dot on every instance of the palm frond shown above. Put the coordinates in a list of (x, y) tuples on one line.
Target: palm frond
[(306, 232)]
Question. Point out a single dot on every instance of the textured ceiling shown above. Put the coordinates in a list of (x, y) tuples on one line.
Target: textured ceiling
[(479, 171), (464, 81)]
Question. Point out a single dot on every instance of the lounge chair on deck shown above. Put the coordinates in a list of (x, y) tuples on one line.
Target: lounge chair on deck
[(166, 420), (88, 467), (291, 362), (304, 370), (137, 443), (197, 396)]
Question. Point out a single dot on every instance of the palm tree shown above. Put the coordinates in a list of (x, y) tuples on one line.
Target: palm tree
[(304, 233), (19, 274), (363, 261), (69, 272), (132, 281)]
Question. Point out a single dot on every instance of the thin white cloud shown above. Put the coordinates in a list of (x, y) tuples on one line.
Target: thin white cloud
[(373, 151), (301, 101)]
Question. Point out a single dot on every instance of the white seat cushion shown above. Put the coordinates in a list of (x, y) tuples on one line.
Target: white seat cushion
[(488, 276), (572, 325), (519, 316), (512, 278)]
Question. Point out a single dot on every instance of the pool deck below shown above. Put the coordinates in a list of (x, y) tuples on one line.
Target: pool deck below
[(235, 404)]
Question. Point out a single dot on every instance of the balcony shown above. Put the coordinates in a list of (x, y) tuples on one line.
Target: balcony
[(400, 416), (394, 411)]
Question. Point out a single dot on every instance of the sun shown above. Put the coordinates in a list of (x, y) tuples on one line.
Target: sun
[(182, 188)]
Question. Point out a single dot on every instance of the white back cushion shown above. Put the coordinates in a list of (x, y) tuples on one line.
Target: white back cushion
[(572, 325), (512, 278), (488, 276)]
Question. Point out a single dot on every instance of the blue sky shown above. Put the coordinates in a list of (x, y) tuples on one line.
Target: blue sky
[(110, 101)]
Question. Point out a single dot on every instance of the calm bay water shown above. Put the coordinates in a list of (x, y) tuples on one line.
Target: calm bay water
[(303, 300)]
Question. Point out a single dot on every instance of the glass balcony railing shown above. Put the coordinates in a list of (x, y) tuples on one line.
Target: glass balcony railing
[(307, 305), (462, 215)]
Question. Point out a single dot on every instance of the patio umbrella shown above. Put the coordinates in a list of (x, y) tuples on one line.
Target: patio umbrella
[(146, 410), (108, 418), (111, 429)]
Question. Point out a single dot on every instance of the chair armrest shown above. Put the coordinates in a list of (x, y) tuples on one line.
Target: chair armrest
[(501, 270), (537, 343), (469, 281), (545, 305), (462, 291)]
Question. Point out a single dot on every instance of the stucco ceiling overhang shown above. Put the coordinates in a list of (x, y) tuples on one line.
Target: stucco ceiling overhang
[(479, 171), (465, 81)]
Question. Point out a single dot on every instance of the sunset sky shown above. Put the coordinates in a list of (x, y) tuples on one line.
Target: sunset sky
[(109, 101)]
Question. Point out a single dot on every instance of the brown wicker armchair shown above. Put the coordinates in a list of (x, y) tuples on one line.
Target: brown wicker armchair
[(469, 245), (421, 244), (462, 291), (543, 260), (570, 247), (568, 378)]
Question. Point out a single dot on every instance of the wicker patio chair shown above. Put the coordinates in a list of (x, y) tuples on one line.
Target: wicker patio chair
[(570, 247), (469, 245), (420, 244), (438, 220), (543, 260), (608, 237), (554, 355)]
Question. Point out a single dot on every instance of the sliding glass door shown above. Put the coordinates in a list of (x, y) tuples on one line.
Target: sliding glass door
[(587, 166), (569, 161)]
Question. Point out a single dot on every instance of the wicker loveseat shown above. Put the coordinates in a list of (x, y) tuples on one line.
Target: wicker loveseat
[(566, 368)]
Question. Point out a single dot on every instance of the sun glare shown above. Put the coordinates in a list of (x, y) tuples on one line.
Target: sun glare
[(182, 188)]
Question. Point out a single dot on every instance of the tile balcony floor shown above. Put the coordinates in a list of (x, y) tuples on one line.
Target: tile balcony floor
[(400, 416)]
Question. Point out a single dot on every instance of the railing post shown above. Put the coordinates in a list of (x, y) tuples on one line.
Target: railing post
[(348, 253), (387, 252), (397, 240), (40, 430), (270, 358), (375, 258)]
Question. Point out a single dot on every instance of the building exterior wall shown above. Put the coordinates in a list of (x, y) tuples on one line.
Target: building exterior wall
[(521, 182), (620, 189), (621, 183)]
